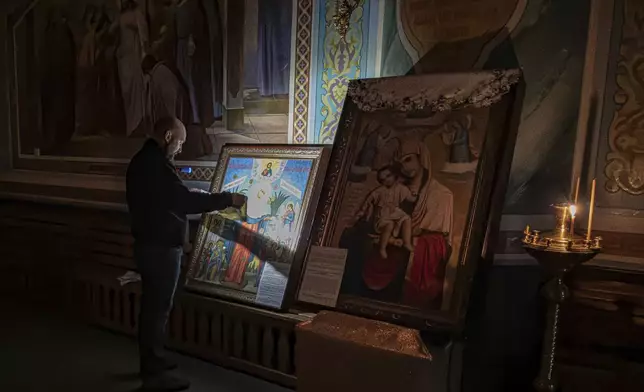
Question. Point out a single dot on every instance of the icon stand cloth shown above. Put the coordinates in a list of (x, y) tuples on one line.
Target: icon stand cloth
[(339, 352)]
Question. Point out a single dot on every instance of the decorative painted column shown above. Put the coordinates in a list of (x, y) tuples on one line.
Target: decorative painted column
[(337, 60), (304, 12)]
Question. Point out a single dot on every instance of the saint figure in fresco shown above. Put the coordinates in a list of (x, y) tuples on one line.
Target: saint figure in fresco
[(133, 45), (413, 278), (160, 15), (186, 19), (383, 203), (109, 99), (99, 109), (193, 58), (168, 97), (289, 217), (213, 12), (57, 83), (268, 171), (274, 50), (87, 93)]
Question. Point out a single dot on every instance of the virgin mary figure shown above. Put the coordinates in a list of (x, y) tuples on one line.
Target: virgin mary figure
[(414, 278), (131, 51)]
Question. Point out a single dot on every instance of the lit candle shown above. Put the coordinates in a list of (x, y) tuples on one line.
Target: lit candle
[(573, 211), (592, 209), (576, 191)]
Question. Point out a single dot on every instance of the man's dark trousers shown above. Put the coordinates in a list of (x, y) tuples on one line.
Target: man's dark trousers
[(159, 267)]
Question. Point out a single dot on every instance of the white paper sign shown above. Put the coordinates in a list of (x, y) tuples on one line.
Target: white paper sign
[(272, 284), (323, 276)]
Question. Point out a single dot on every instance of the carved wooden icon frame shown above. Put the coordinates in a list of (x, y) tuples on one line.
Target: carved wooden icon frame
[(253, 221), (408, 106)]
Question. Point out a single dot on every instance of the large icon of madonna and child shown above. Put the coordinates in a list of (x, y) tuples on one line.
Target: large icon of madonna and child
[(402, 230), (233, 254), (416, 158)]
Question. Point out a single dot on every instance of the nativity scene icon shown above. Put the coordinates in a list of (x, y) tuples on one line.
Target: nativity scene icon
[(276, 190)]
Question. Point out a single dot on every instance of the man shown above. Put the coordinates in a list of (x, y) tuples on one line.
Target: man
[(159, 202)]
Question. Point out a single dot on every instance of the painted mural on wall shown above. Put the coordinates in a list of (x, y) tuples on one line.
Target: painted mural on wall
[(546, 38), (456, 33), (93, 76), (621, 154), (100, 73)]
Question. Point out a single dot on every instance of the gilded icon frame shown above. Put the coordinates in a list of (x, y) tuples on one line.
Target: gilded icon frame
[(499, 92), (318, 155)]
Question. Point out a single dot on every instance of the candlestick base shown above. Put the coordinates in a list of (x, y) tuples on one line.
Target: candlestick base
[(558, 252)]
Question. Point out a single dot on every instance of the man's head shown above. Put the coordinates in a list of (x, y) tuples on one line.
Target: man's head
[(387, 176), (170, 133), (269, 165)]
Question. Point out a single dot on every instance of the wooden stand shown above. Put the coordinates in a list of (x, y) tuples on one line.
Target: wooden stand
[(337, 352)]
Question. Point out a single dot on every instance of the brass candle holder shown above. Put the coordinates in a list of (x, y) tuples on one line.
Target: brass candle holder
[(558, 252)]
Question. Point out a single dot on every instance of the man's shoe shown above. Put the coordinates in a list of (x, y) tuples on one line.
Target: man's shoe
[(161, 366), (164, 383)]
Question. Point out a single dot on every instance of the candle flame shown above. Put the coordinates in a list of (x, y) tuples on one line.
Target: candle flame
[(573, 210)]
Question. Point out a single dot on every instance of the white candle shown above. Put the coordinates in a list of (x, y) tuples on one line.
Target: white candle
[(592, 210), (576, 191)]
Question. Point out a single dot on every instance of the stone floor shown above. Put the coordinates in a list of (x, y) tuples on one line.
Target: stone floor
[(42, 352)]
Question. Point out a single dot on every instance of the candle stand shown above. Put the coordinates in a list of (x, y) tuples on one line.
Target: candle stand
[(558, 252)]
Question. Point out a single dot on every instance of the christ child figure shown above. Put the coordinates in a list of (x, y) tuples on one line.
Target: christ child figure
[(390, 219)]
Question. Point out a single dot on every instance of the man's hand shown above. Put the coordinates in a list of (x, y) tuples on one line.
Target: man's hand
[(238, 200)]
